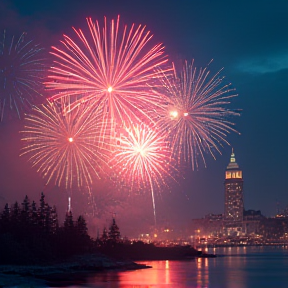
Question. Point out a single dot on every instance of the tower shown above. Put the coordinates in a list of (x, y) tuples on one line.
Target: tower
[(233, 210)]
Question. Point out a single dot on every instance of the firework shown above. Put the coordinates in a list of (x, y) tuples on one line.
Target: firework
[(64, 147), (142, 158), (21, 68), (112, 65), (196, 116)]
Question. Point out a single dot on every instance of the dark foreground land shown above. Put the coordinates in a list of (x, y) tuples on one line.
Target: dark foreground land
[(75, 269), (70, 271), (142, 251)]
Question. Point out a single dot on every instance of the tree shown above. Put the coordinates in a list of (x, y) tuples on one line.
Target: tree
[(26, 204), (42, 211), (104, 236), (82, 226), (68, 222), (34, 214), (114, 233), (5, 219), (25, 212), (6, 213), (53, 220), (16, 212)]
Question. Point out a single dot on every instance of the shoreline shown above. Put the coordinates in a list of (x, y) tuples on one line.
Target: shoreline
[(75, 269), (241, 245), (78, 268)]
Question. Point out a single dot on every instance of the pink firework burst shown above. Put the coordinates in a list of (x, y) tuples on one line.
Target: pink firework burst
[(142, 158), (64, 147), (114, 66), (197, 114)]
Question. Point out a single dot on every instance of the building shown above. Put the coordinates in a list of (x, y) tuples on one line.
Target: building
[(210, 225), (233, 206), (251, 222)]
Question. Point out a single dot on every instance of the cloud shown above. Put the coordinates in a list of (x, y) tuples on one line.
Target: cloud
[(262, 65)]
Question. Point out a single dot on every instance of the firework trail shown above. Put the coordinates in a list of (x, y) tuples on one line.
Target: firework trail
[(21, 71), (112, 65), (142, 158), (196, 113), (64, 147)]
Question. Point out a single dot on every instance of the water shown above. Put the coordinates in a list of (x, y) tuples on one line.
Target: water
[(251, 267), (240, 268)]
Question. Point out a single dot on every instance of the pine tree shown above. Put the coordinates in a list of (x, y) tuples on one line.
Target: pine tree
[(114, 233), (104, 236), (82, 226), (42, 211), (68, 222), (5, 219), (15, 213), (6, 213), (25, 212), (53, 221), (47, 221), (34, 214), (26, 204)]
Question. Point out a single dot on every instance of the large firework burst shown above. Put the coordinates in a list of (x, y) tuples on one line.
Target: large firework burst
[(112, 65), (21, 74), (64, 147), (196, 116), (142, 158)]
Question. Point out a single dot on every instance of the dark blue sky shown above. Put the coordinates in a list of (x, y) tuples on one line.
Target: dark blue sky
[(248, 38)]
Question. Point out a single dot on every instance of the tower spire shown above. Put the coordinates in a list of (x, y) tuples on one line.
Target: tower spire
[(232, 158), (232, 164)]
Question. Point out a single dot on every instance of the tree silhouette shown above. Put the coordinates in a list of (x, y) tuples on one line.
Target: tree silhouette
[(30, 235), (114, 233)]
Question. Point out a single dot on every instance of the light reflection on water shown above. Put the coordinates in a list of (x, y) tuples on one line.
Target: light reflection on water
[(163, 274), (265, 267)]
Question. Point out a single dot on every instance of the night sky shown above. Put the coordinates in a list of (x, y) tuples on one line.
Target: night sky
[(248, 38)]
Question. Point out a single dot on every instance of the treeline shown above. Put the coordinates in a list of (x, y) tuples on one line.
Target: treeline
[(31, 234)]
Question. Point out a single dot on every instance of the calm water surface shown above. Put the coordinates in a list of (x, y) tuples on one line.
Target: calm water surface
[(239, 267)]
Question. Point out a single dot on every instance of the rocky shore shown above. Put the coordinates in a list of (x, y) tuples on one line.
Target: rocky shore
[(66, 272)]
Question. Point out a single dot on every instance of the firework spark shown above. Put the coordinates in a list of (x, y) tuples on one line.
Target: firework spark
[(21, 68), (142, 158), (114, 66), (196, 114), (64, 147)]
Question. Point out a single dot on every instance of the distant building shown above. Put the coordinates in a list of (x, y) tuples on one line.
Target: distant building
[(274, 230), (210, 225), (251, 222), (233, 208)]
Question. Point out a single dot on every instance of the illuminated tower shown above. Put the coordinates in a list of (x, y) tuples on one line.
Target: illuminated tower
[(233, 210)]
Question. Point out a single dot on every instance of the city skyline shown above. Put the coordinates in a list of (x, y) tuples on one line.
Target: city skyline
[(254, 54)]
